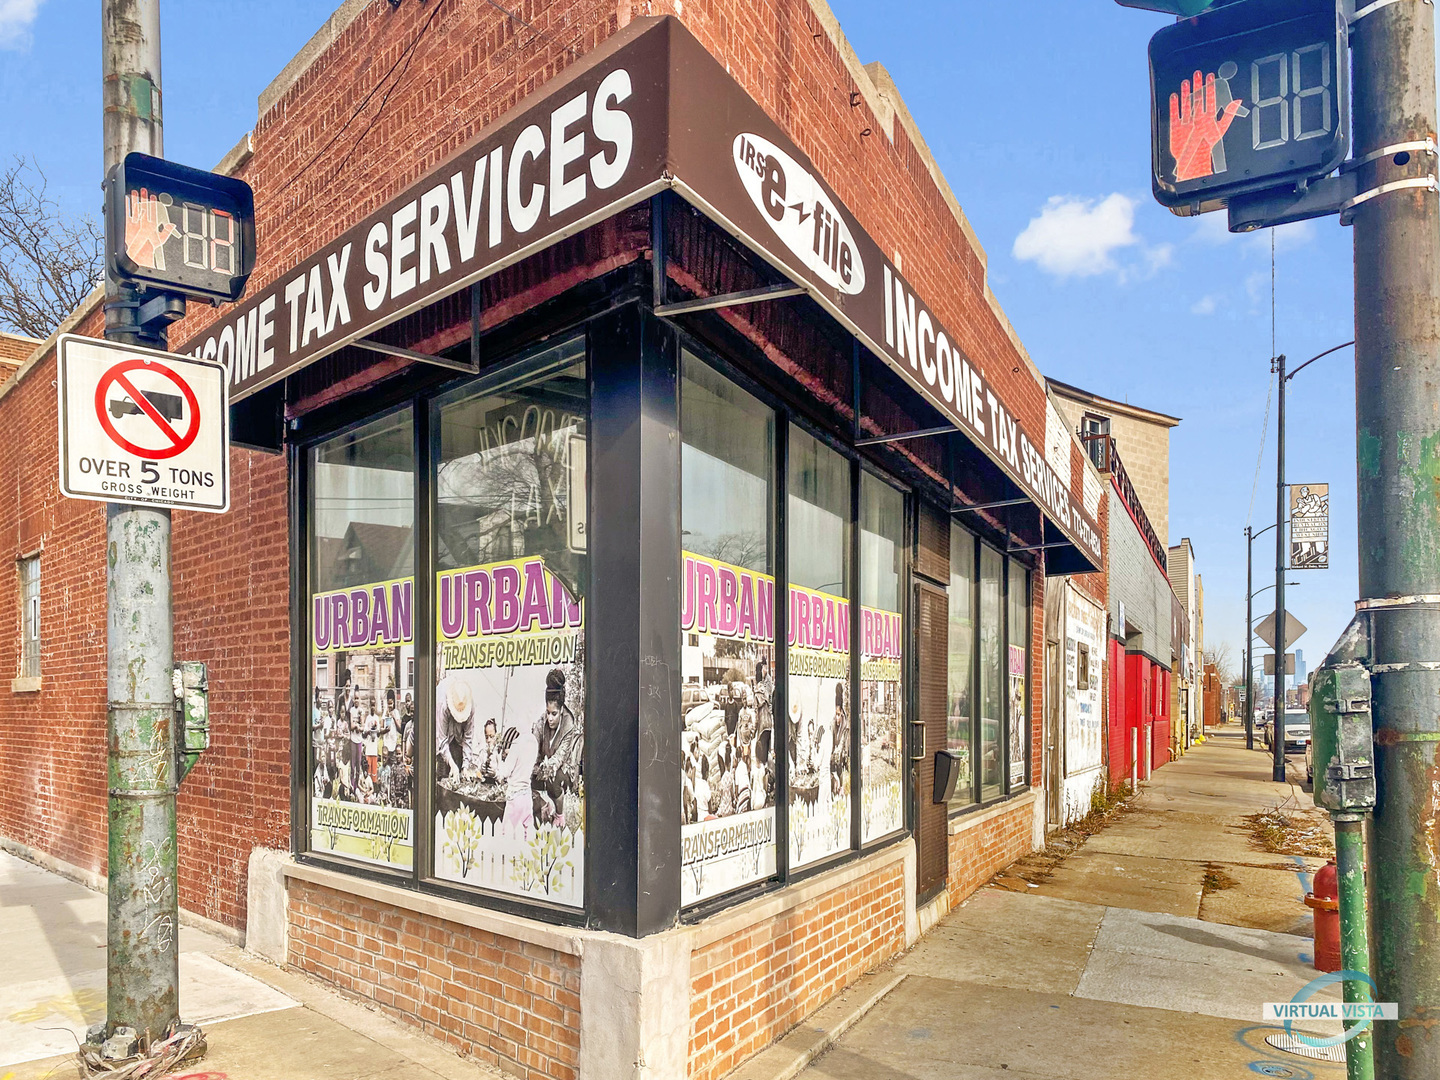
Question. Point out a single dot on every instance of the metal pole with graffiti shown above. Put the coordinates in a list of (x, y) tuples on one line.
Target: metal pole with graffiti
[(143, 960)]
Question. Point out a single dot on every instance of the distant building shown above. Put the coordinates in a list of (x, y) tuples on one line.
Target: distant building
[(1130, 448), (1141, 435), (15, 349), (1189, 699)]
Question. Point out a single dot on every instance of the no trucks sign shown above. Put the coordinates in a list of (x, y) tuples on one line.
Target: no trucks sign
[(142, 427)]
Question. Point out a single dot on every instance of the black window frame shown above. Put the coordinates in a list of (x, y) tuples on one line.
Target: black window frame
[(786, 415), (515, 366), (1008, 789)]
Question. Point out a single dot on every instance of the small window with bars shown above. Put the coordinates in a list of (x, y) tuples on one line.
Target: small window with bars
[(30, 617)]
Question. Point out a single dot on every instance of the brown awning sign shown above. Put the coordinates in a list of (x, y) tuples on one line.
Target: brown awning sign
[(592, 146), (649, 109)]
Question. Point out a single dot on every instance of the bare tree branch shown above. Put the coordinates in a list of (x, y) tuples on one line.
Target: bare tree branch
[(1224, 661), (49, 261)]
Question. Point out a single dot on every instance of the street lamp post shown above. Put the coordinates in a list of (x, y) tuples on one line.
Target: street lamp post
[(1250, 593), (1278, 739)]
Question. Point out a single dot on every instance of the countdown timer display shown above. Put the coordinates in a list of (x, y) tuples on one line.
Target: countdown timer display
[(179, 230), (1248, 97)]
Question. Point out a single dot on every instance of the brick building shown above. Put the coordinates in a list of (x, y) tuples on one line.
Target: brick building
[(601, 334), (1140, 646), (15, 349), (1141, 435)]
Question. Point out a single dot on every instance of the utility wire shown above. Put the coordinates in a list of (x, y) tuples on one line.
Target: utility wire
[(404, 58), (407, 56), (1270, 390)]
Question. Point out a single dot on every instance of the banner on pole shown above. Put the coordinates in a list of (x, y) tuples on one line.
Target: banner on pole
[(1309, 526)]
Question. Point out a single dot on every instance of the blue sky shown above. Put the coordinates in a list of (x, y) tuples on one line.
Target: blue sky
[(1037, 111)]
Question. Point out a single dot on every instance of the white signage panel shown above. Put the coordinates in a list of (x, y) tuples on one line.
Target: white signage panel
[(142, 427)]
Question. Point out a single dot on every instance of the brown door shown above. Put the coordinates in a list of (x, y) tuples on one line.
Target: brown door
[(927, 735)]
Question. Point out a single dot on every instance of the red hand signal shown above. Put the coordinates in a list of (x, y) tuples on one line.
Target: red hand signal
[(1194, 127)]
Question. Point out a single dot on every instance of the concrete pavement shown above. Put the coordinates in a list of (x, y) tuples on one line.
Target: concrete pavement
[(1126, 959), (262, 1023)]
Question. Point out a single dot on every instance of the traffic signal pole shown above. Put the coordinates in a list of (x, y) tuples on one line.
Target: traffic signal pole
[(142, 966), (1397, 379)]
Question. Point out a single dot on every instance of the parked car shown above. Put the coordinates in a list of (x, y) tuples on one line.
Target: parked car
[(1297, 731)]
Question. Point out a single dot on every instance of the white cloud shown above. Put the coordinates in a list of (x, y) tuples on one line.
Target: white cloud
[(16, 17), (1206, 305), (1075, 237)]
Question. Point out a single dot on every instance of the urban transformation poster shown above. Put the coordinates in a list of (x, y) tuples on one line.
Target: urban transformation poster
[(728, 782), (509, 730), (362, 722), (818, 679), (881, 804)]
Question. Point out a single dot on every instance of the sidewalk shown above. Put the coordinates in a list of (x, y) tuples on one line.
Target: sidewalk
[(262, 1023), (1127, 959)]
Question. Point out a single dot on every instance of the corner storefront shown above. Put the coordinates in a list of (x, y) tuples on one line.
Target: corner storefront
[(665, 568)]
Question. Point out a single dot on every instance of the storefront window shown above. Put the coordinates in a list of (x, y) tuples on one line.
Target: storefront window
[(961, 668), (818, 548), (361, 614), (882, 567), (1018, 638), (727, 623), (992, 692), (511, 581)]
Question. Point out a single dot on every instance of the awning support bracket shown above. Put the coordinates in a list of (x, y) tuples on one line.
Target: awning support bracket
[(1046, 547), (876, 440), (470, 367), (988, 506), (659, 261), (734, 299)]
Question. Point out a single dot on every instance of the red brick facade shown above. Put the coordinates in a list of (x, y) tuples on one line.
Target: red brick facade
[(510, 1003), (231, 577), (749, 989)]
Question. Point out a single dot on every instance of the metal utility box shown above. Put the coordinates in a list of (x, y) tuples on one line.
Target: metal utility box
[(1343, 739)]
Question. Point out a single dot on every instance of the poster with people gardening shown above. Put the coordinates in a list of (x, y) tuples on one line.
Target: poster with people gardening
[(728, 781), (818, 680), (881, 806), (509, 731), (362, 722)]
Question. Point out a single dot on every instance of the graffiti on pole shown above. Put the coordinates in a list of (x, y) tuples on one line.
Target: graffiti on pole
[(1309, 526)]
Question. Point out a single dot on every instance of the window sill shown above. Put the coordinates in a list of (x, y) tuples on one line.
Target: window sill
[(25, 686), (968, 819)]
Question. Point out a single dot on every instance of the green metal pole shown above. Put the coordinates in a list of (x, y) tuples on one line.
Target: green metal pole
[(1397, 371), (1354, 936)]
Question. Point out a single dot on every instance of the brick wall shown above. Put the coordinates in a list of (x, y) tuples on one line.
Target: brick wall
[(750, 988), (512, 1004), (981, 850), (231, 581)]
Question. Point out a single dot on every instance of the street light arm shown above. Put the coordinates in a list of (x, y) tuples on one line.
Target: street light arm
[(1267, 528), (1312, 360)]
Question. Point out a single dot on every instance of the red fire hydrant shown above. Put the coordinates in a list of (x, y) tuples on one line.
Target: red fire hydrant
[(1325, 902)]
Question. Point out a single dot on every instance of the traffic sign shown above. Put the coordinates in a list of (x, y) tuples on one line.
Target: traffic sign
[(142, 427), (1294, 628)]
